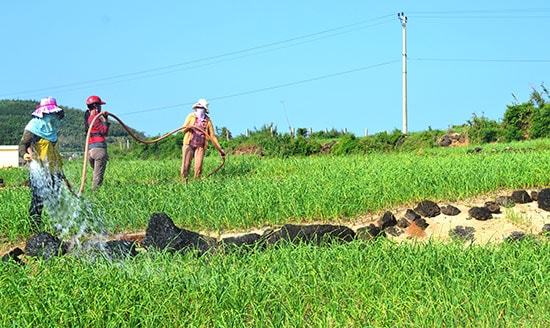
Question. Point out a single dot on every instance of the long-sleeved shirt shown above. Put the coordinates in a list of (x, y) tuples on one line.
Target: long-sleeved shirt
[(44, 151), (190, 121), (98, 133)]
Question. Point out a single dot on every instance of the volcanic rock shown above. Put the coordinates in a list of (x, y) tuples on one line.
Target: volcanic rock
[(505, 201), (411, 215), (369, 232), (112, 249), (480, 213), (445, 141), (312, 234), (421, 223), (387, 220), (462, 233), (247, 241), (13, 255), (403, 223), (394, 231), (427, 208), (162, 233), (44, 245), (493, 207), (450, 210), (516, 236), (544, 199), (521, 197)]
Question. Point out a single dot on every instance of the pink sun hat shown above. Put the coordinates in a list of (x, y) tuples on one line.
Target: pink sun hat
[(47, 105)]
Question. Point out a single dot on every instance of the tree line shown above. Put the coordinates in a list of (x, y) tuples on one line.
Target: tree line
[(521, 121)]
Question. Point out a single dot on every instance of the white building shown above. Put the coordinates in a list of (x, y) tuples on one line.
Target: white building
[(9, 156)]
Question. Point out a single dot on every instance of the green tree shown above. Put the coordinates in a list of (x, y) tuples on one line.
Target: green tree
[(517, 120), (483, 130)]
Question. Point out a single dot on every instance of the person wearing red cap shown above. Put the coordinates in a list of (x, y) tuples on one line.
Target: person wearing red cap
[(195, 142), (39, 148), (97, 146)]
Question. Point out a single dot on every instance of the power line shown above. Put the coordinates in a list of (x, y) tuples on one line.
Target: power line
[(270, 88), (495, 60), (206, 59)]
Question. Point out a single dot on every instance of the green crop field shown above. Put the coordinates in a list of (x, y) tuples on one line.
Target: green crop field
[(356, 284)]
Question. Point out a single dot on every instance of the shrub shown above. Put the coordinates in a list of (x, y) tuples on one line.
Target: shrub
[(482, 130)]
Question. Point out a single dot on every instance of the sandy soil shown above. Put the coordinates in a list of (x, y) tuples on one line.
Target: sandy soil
[(526, 218)]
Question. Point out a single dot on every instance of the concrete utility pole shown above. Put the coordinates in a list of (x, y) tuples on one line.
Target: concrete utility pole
[(401, 16)]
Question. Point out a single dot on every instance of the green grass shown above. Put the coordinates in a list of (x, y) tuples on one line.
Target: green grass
[(379, 284), (251, 191)]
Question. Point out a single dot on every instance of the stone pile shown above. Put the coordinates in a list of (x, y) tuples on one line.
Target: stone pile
[(163, 235)]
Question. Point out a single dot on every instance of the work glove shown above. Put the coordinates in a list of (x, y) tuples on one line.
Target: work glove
[(27, 157)]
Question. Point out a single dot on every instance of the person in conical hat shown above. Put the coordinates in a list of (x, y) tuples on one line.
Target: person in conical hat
[(195, 142), (39, 144)]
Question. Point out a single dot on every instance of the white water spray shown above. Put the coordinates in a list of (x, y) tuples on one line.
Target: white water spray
[(73, 218)]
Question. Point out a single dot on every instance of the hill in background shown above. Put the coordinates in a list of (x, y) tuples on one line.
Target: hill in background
[(15, 114)]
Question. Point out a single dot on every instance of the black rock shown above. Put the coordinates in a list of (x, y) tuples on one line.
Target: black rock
[(13, 255), (387, 220), (462, 233), (493, 207), (516, 236), (428, 209), (247, 241), (480, 213), (421, 223), (394, 231), (403, 223), (44, 245), (505, 201), (370, 232), (312, 234), (445, 141), (112, 249), (521, 197), (450, 210), (162, 233), (411, 215), (544, 199)]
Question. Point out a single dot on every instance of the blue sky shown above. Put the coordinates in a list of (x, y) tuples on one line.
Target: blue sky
[(305, 64)]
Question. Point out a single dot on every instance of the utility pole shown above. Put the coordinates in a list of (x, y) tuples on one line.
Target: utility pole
[(401, 16)]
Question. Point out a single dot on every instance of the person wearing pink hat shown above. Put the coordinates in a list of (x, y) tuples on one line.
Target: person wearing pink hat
[(39, 144), (195, 142), (97, 145)]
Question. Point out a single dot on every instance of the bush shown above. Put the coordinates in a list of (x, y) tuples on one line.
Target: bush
[(540, 126), (424, 139), (482, 130), (516, 121), (304, 147), (348, 144)]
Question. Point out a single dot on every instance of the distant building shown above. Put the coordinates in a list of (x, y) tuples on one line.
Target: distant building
[(9, 156)]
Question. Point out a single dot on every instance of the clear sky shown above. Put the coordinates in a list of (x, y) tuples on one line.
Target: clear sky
[(305, 64)]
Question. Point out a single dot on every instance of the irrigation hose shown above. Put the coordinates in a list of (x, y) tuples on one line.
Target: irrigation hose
[(183, 129)]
